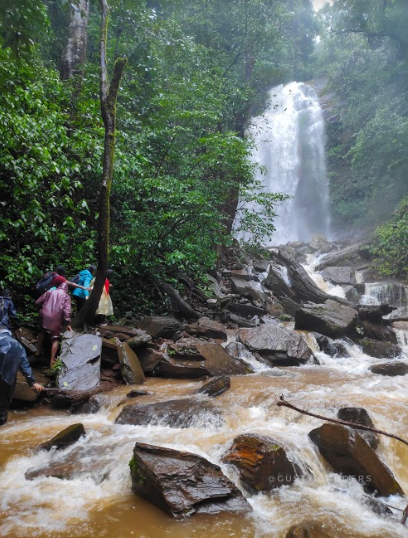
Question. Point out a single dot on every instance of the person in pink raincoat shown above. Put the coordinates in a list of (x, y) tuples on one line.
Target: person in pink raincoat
[(55, 311)]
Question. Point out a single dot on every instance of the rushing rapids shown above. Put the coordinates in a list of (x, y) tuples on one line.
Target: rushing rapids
[(97, 499)]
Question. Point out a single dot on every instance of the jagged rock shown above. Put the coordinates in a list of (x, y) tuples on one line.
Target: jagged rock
[(275, 345), (65, 438), (159, 326), (331, 318), (246, 310), (331, 348), (359, 415), (241, 274), (378, 331), (215, 387), (390, 368), (248, 289), (74, 400), (350, 455), (379, 350), (130, 366), (291, 284), (262, 464), (181, 483), (139, 339), (206, 327), (338, 275), (181, 413), (81, 362)]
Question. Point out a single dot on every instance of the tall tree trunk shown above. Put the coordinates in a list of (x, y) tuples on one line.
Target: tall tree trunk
[(108, 100), (74, 55)]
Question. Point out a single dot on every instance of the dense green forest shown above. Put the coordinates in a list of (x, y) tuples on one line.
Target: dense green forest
[(196, 72)]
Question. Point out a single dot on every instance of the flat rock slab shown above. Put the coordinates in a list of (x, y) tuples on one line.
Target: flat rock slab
[(81, 358), (276, 345), (350, 455), (330, 318), (262, 464), (182, 484), (181, 413)]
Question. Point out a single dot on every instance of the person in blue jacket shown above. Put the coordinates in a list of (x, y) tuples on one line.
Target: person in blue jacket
[(81, 295), (12, 358), (7, 309)]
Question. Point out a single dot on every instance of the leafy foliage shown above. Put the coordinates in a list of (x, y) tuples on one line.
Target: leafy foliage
[(390, 248)]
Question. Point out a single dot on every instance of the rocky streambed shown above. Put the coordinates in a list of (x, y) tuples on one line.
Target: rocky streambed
[(189, 438)]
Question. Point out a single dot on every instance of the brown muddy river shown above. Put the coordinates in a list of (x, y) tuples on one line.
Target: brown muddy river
[(98, 501)]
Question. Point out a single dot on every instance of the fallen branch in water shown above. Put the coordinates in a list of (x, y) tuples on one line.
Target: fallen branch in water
[(283, 403)]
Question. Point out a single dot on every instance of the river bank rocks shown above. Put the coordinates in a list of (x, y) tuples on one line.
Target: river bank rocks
[(276, 346), (183, 484), (350, 455), (262, 464)]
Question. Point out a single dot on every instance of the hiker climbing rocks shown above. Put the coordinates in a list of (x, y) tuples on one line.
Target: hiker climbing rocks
[(12, 358), (105, 307), (52, 279), (7, 309), (81, 294), (55, 310)]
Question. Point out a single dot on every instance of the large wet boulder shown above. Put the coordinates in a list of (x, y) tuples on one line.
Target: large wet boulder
[(250, 289), (207, 328), (359, 415), (378, 349), (181, 413), (23, 394), (261, 462), (159, 326), (182, 484), (64, 438), (348, 255), (391, 369), (331, 347), (330, 318), (81, 362), (378, 331), (374, 313), (191, 358), (130, 366), (350, 455), (275, 345)]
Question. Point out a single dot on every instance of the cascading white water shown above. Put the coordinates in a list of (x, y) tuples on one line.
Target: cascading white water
[(289, 143)]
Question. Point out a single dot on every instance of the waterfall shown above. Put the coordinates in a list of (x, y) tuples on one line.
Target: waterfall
[(289, 143)]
